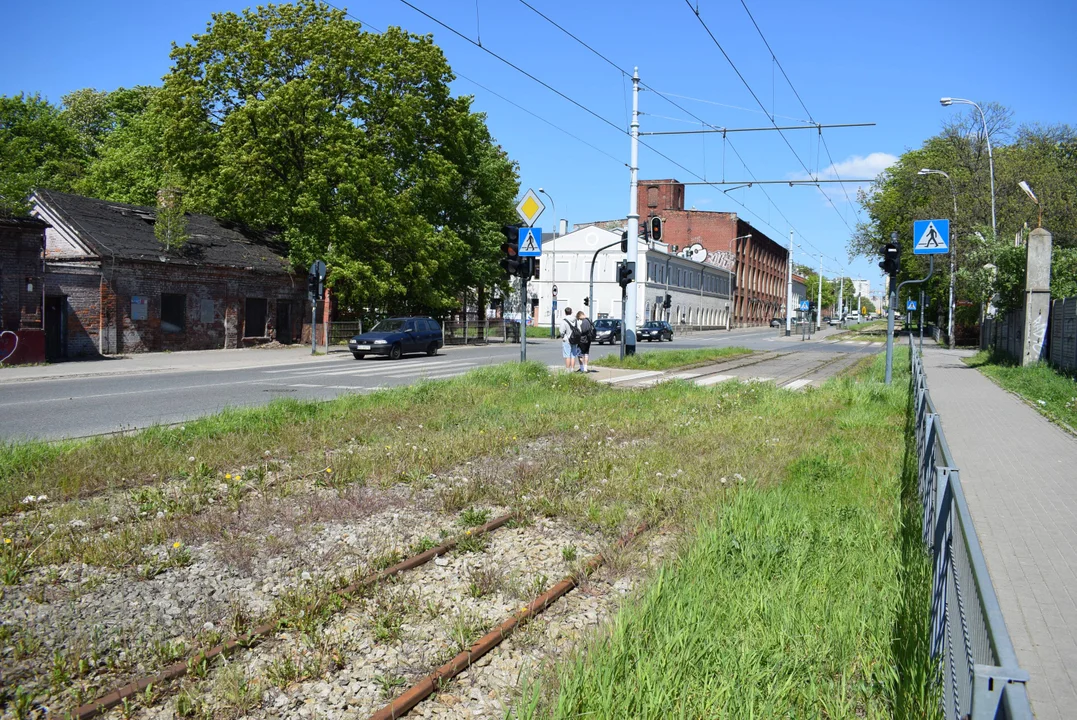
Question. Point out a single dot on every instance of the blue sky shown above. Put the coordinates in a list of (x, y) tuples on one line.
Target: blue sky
[(882, 62)]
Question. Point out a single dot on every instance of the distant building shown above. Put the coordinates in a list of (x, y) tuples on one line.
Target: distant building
[(758, 263), (699, 292), (22, 333), (862, 287), (800, 291), (110, 287)]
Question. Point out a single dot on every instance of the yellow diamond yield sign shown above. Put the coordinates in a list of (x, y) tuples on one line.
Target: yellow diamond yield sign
[(530, 207)]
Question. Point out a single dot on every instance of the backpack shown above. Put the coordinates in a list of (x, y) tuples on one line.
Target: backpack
[(587, 331), (576, 336)]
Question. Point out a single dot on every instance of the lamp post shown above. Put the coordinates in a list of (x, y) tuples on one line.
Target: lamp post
[(953, 253), (553, 266), (946, 102)]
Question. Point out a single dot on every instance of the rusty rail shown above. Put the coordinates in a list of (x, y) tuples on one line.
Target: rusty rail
[(177, 670), (418, 692)]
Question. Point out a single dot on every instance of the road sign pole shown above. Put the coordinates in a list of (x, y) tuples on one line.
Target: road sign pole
[(628, 303), (890, 331), (523, 318), (313, 326), (921, 322)]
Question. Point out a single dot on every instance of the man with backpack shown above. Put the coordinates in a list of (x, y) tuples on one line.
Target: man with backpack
[(586, 331), (570, 336)]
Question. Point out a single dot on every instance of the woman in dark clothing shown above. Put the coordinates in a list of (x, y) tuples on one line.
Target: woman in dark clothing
[(587, 334)]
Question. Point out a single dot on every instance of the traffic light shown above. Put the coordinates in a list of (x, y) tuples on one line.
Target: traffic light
[(668, 303), (586, 300), (656, 228), (512, 261), (891, 262), (626, 273), (624, 241), (312, 287)]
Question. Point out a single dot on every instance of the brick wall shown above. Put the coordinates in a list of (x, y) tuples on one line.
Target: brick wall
[(21, 246), (119, 309), (761, 262)]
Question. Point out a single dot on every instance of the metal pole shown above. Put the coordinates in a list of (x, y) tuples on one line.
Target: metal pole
[(789, 291), (893, 301), (819, 305), (628, 305), (921, 322), (841, 298), (313, 326), (624, 332), (953, 271), (591, 287), (553, 265), (523, 319)]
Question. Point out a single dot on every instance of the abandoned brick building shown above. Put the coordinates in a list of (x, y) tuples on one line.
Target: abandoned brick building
[(760, 262), (110, 286)]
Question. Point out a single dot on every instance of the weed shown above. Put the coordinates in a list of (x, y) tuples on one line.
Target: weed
[(386, 683), (388, 611), (282, 672), (386, 559), (421, 545), (239, 692), (471, 542), (568, 553), (474, 518), (464, 629), (485, 580), (188, 704), (22, 703)]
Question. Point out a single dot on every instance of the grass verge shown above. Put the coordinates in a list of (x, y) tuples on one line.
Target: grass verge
[(1041, 386), (667, 359), (802, 598)]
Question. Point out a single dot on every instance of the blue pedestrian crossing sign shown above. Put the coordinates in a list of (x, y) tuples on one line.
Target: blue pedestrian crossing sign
[(805, 306), (910, 305), (530, 242), (931, 237)]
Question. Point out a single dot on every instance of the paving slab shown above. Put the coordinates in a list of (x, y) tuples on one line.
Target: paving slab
[(1019, 473)]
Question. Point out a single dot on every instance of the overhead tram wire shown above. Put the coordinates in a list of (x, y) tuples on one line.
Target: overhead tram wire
[(799, 99), (759, 102), (516, 105), (686, 111)]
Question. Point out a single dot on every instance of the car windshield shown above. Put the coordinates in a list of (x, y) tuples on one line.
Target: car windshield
[(603, 323), (386, 326), (651, 324)]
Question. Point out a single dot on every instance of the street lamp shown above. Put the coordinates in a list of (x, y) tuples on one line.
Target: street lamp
[(946, 102), (553, 266), (1032, 196), (953, 254)]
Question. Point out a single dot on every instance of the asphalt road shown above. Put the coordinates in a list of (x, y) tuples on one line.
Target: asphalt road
[(81, 399)]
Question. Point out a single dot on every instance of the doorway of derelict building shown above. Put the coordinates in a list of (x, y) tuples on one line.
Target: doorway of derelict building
[(55, 324), (285, 329)]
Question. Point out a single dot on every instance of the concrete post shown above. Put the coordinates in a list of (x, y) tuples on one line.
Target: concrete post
[(1037, 294)]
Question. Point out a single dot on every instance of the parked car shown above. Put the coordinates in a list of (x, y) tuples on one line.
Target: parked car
[(655, 330), (852, 318), (396, 336), (834, 321), (607, 330), (777, 322)]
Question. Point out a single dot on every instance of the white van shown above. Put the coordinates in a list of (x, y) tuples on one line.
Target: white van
[(852, 318)]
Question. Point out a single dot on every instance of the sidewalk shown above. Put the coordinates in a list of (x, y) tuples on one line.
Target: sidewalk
[(1019, 473)]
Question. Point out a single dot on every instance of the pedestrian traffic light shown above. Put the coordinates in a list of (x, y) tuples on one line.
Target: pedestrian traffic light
[(624, 241), (512, 261), (626, 273), (891, 262), (586, 300), (656, 228), (668, 303)]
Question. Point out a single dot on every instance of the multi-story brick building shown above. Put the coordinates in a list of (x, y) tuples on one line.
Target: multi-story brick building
[(760, 263), (111, 287), (22, 335)]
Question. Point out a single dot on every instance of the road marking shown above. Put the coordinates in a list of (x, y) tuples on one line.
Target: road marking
[(715, 379), (636, 376), (797, 384), (383, 368)]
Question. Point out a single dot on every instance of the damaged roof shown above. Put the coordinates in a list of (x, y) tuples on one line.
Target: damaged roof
[(113, 229)]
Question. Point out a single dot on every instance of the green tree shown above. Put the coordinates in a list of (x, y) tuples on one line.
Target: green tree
[(38, 148), (290, 117), (170, 227)]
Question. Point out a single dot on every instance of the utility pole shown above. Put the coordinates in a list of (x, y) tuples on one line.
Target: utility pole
[(628, 307), (841, 298), (789, 291), (523, 311), (819, 303)]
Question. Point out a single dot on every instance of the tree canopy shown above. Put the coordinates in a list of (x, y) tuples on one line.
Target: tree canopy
[(289, 117)]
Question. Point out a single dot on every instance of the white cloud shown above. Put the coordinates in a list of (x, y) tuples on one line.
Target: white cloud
[(859, 167)]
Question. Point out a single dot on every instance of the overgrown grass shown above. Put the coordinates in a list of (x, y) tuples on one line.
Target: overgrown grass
[(1041, 386), (666, 359), (787, 602)]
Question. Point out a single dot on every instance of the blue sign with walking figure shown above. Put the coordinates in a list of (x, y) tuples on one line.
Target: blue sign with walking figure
[(805, 306), (530, 242), (931, 237), (910, 305)]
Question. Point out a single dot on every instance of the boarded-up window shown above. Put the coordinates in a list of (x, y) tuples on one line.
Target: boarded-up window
[(173, 313), (652, 196), (254, 324)]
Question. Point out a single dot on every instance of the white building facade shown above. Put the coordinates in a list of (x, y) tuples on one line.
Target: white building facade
[(700, 293)]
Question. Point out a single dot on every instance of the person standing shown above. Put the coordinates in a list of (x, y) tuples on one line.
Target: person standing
[(587, 335), (568, 332)]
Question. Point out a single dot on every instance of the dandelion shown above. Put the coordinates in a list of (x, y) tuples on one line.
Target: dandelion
[(115, 519), (160, 514), (176, 545), (468, 532), (513, 437), (329, 470), (305, 576), (7, 541), (238, 478), (190, 459), (228, 476)]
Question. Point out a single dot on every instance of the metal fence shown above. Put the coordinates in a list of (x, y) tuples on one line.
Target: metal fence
[(1005, 332), (980, 676), (493, 330), (342, 331)]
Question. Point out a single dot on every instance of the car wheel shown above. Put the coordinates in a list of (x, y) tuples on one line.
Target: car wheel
[(432, 349), (359, 356), (395, 352)]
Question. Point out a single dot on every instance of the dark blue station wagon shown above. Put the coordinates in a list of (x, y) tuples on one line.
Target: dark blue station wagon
[(396, 336)]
